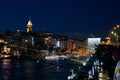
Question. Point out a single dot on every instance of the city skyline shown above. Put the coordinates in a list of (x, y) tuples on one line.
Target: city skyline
[(64, 16)]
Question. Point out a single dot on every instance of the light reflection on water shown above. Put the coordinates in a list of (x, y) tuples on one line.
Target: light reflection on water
[(5, 69), (31, 70)]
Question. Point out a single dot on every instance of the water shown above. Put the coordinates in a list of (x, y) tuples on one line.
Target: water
[(28, 69)]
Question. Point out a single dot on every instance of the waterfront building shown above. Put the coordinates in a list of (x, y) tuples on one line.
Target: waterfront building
[(41, 42)]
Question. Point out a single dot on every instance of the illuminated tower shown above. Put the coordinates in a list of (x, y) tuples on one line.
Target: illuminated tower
[(29, 26)]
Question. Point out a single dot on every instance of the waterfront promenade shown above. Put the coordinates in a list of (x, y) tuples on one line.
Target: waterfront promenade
[(85, 68)]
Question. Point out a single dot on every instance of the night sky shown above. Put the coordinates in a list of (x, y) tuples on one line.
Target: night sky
[(80, 17)]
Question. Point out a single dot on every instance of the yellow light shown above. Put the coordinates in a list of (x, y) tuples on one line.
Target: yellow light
[(1, 40), (118, 26), (112, 32), (108, 38)]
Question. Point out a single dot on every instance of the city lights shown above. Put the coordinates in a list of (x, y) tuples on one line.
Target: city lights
[(115, 34)]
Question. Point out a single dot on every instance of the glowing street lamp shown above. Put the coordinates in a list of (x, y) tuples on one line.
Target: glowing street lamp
[(112, 32), (118, 26), (115, 33)]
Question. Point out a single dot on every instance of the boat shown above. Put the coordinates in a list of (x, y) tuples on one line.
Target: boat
[(56, 57)]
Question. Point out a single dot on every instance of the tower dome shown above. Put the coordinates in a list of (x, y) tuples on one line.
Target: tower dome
[(29, 26)]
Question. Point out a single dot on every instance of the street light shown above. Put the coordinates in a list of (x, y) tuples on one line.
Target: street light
[(112, 32), (118, 26), (113, 38), (115, 33)]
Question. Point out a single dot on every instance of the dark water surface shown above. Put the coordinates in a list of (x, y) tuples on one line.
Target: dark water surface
[(28, 69)]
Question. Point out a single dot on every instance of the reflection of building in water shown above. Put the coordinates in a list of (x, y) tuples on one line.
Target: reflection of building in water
[(6, 69), (6, 61)]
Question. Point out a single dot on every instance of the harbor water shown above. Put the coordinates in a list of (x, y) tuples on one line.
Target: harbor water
[(29, 69)]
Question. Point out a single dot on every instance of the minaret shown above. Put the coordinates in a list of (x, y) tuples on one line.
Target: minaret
[(29, 26)]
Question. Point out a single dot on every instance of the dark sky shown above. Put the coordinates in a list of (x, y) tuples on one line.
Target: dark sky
[(95, 17)]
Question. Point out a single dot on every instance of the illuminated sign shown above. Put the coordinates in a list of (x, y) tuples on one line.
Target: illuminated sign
[(92, 43), (58, 44)]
